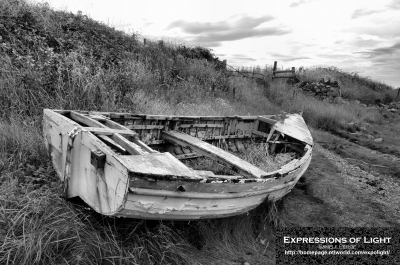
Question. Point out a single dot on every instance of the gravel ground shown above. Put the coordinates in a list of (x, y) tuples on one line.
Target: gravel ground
[(381, 189)]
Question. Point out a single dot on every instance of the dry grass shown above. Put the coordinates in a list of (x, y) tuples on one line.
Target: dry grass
[(255, 153)]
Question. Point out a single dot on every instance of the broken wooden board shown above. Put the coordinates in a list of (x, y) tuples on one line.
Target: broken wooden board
[(294, 126), (157, 165), (242, 167)]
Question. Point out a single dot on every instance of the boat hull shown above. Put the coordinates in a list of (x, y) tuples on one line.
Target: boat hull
[(181, 206), (154, 185)]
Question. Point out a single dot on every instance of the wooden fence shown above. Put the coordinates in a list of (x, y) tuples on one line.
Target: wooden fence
[(275, 72), (253, 74)]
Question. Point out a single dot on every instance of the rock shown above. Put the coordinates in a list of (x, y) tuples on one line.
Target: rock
[(246, 263), (363, 105), (370, 136), (303, 84), (356, 102), (362, 128), (393, 110), (378, 140), (351, 128)]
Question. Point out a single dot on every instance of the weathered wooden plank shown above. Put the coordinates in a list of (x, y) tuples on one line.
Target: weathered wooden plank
[(273, 145), (79, 117), (112, 143), (233, 136), (114, 125), (107, 131), (204, 173), (203, 195), (201, 126), (261, 134), (144, 127), (132, 148), (267, 120), (157, 165), (289, 76), (169, 208), (187, 156), (173, 118), (283, 71), (294, 126), (242, 167), (197, 187)]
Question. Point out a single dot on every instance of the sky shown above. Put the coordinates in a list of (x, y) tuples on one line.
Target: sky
[(360, 36)]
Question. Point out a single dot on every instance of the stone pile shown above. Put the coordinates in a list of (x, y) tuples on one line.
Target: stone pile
[(323, 89), (393, 107)]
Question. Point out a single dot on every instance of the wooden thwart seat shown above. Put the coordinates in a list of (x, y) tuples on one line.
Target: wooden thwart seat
[(242, 167)]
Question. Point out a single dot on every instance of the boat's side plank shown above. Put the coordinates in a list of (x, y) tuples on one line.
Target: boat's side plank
[(196, 187), (242, 167), (104, 188), (163, 208)]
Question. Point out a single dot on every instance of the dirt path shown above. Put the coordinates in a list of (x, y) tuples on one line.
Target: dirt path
[(333, 192)]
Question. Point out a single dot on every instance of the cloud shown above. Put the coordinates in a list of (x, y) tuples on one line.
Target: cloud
[(227, 30), (243, 57), (198, 27), (395, 4), (238, 34), (245, 22), (363, 12), (378, 52), (287, 58), (387, 50), (300, 2)]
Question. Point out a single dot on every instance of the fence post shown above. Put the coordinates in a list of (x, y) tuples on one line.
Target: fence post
[(144, 41), (224, 62), (274, 69)]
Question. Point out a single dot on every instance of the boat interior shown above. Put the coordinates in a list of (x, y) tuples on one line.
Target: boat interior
[(160, 140)]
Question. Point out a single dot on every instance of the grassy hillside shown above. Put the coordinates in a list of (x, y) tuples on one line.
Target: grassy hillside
[(53, 59)]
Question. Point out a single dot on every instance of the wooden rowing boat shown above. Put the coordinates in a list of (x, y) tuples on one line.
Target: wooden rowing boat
[(131, 165)]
